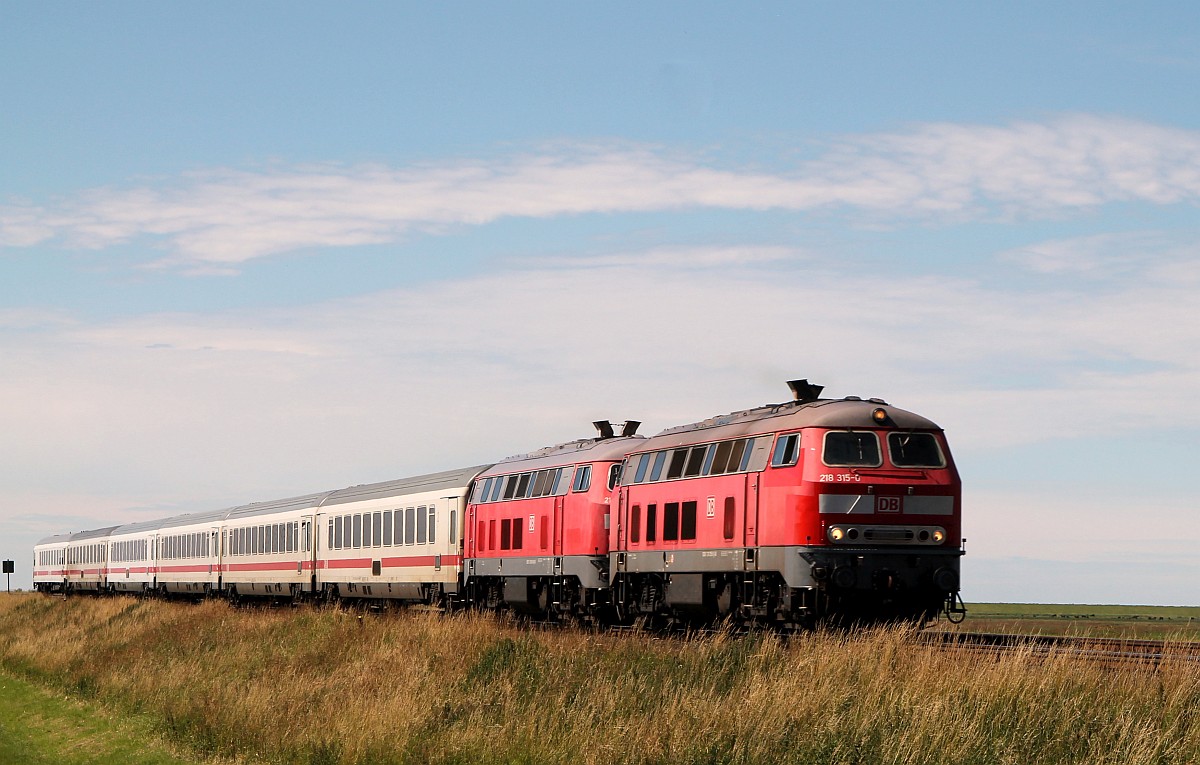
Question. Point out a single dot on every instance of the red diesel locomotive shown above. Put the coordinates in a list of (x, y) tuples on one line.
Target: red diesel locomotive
[(790, 513), (785, 514)]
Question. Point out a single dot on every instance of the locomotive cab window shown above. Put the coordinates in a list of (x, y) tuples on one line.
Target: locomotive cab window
[(915, 450), (583, 478), (849, 448), (786, 450)]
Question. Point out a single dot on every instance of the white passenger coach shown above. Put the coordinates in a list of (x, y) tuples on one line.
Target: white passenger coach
[(398, 540)]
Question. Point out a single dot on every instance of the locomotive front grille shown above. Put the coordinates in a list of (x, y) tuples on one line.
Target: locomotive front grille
[(888, 535)]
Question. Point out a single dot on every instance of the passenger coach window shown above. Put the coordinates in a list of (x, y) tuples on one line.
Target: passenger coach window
[(915, 450), (847, 448)]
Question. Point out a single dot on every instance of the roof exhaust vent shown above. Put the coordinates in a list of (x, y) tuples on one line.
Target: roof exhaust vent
[(630, 428), (604, 429), (803, 391)]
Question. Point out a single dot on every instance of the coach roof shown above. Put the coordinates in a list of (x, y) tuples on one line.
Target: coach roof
[(445, 481)]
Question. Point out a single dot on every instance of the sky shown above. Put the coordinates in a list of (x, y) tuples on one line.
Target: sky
[(249, 251)]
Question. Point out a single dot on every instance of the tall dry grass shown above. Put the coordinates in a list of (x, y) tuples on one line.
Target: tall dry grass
[(324, 686)]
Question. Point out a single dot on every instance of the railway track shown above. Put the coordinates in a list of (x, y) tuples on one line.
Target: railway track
[(1114, 651)]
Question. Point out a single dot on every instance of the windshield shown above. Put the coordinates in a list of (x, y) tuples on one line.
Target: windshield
[(912, 450), (852, 448)]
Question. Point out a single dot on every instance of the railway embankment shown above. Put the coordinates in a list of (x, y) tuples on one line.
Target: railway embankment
[(308, 685)]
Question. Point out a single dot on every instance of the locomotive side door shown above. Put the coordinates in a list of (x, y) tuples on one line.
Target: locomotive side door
[(750, 517), (469, 532), (556, 528)]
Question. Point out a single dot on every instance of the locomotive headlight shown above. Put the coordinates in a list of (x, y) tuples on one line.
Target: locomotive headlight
[(939, 535), (879, 415), (837, 533)]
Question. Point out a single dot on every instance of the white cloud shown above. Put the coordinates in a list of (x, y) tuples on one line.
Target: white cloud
[(213, 221)]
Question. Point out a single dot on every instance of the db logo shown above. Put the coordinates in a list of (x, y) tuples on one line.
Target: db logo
[(887, 504)]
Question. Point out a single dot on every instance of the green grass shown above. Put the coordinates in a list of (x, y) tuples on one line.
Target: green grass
[(38, 726), (1139, 622), (1083, 611)]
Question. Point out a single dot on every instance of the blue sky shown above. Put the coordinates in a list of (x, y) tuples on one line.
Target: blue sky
[(254, 251)]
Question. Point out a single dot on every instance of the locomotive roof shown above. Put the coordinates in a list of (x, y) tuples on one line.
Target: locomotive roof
[(444, 481), (850, 412), (583, 450)]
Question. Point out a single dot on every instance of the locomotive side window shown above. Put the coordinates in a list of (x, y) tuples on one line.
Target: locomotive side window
[(670, 522), (687, 528), (635, 524), (730, 506), (651, 523), (915, 450), (846, 448), (786, 451), (678, 459), (517, 534), (695, 461), (659, 459), (639, 472), (506, 534), (523, 485), (721, 459)]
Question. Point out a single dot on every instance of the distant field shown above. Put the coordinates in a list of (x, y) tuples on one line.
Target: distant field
[(336, 687), (1142, 622)]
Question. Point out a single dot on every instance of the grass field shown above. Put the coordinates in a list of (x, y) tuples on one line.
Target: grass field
[(40, 727), (1143, 622), (324, 686)]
